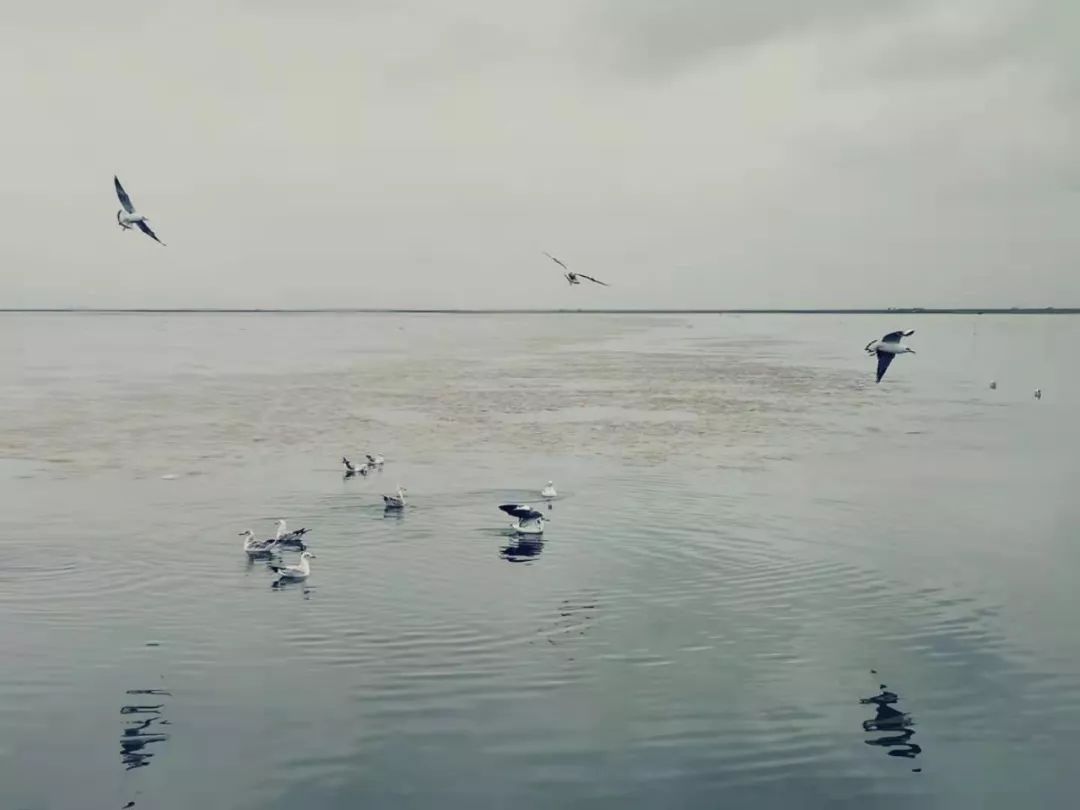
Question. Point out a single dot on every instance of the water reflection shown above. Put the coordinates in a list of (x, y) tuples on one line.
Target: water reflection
[(887, 718), (522, 548), (142, 729)]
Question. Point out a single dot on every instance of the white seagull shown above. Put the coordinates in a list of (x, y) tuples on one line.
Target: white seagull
[(351, 469), (257, 548), (529, 521), (286, 538), (395, 501), (299, 571), (131, 217), (887, 348), (573, 277), (548, 491)]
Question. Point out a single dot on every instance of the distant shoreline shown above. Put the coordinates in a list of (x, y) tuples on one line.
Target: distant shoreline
[(418, 311)]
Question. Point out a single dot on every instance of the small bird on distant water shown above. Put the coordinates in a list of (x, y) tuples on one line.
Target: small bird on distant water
[(993, 385), (1038, 393), (887, 348), (548, 491), (132, 217), (573, 277)]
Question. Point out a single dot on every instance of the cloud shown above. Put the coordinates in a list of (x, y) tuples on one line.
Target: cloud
[(386, 154)]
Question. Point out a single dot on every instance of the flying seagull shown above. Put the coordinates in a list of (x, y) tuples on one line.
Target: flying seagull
[(887, 348), (132, 217), (573, 277)]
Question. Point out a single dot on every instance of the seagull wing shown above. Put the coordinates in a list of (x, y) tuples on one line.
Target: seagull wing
[(125, 200), (146, 229), (894, 337), (513, 508), (883, 360), (563, 266), (594, 280)]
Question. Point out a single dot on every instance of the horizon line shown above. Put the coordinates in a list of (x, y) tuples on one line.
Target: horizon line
[(556, 311)]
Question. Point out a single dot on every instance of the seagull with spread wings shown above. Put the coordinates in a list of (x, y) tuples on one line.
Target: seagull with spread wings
[(128, 216), (573, 277), (887, 348)]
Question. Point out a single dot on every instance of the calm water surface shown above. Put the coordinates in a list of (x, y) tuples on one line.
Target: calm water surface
[(747, 526)]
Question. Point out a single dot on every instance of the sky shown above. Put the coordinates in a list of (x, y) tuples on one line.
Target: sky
[(417, 153)]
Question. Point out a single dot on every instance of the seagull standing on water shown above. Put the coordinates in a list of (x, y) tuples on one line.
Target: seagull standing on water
[(887, 348), (573, 277), (549, 491), (131, 217), (529, 521)]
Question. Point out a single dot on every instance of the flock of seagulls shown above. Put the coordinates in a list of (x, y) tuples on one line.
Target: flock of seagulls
[(884, 350), (528, 521)]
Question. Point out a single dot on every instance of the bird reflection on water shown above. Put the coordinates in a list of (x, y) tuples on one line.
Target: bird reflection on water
[(142, 729), (889, 719), (522, 548)]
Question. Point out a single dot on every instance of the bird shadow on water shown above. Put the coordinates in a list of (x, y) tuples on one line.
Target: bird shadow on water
[(896, 724)]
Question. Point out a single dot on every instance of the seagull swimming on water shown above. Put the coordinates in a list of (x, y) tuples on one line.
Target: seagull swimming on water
[(351, 469), (131, 217), (257, 548), (300, 571), (573, 277), (395, 501), (286, 538), (887, 348)]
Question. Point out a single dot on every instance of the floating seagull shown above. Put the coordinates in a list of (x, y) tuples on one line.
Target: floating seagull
[(351, 469), (395, 501), (887, 348), (529, 521), (993, 385), (299, 571), (257, 548), (548, 491), (375, 460), (1038, 393), (286, 538), (132, 217), (573, 277)]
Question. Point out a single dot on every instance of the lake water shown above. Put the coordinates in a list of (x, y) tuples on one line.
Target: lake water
[(747, 525)]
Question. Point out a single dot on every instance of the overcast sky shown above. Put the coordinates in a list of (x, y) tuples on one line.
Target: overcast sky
[(424, 153)]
